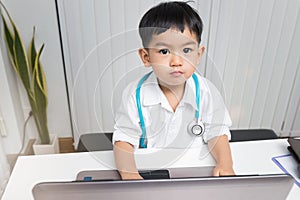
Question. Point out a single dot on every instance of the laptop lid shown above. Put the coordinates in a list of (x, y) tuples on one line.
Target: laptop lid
[(239, 187)]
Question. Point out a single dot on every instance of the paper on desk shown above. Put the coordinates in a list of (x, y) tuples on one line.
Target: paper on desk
[(288, 165)]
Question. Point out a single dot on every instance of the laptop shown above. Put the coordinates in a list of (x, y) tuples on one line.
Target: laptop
[(294, 148), (233, 187)]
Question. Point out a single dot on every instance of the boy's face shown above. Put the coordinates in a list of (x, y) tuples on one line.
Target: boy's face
[(173, 56)]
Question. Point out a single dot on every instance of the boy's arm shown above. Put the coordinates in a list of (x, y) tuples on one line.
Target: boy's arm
[(220, 150), (124, 159)]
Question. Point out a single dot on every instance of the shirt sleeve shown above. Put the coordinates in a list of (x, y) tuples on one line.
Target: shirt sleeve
[(214, 113), (126, 126)]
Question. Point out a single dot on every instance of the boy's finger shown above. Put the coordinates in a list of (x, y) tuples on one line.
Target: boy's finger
[(216, 172)]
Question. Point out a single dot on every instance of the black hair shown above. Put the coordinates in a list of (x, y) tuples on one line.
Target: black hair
[(166, 15)]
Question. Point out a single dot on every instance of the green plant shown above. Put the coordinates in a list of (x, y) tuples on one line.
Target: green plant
[(31, 73)]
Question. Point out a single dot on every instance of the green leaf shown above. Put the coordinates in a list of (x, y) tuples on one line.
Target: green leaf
[(40, 94), (39, 74), (17, 53), (39, 83), (32, 52), (21, 59), (9, 42)]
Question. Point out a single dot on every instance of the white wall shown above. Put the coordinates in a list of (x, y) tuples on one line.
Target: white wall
[(10, 106), (4, 166), (4, 169), (252, 58), (42, 15)]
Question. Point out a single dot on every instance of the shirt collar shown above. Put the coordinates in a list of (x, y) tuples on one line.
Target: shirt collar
[(155, 96)]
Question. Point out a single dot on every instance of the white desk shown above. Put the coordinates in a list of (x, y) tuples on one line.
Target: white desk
[(252, 157)]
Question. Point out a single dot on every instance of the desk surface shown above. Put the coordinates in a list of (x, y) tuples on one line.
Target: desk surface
[(253, 157)]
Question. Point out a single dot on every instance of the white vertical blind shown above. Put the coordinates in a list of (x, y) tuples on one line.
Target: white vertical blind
[(251, 57), (254, 48)]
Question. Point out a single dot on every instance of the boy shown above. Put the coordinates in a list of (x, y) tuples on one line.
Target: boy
[(172, 107)]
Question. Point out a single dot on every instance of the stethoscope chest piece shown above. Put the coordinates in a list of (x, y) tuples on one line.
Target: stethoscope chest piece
[(196, 128)]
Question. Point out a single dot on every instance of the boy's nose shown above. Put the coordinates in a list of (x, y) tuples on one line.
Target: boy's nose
[(176, 60)]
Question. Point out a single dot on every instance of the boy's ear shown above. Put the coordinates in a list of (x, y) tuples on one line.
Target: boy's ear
[(201, 51), (144, 54)]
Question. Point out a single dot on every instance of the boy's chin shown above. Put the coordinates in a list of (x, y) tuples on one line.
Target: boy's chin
[(173, 82)]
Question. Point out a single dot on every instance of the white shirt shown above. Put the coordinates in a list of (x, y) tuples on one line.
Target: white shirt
[(164, 127)]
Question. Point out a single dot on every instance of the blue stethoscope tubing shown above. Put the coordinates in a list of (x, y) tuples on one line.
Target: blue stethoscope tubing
[(143, 139), (143, 142)]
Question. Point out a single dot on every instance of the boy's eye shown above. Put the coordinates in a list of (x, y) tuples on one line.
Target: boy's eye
[(164, 51), (187, 50)]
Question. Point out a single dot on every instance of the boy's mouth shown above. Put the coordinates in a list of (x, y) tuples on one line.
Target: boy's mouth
[(176, 73)]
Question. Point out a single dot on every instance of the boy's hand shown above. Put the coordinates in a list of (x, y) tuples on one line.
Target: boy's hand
[(220, 170), (124, 159), (220, 150), (130, 176)]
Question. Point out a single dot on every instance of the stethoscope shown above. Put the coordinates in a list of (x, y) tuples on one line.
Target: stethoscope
[(196, 127)]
